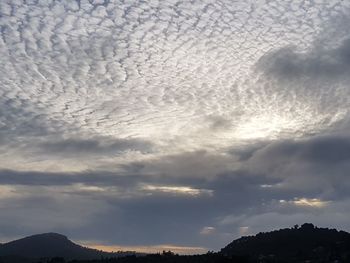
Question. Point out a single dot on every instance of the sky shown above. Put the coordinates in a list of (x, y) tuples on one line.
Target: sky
[(176, 124)]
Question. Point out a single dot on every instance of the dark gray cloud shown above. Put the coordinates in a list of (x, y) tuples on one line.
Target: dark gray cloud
[(319, 63), (96, 146), (325, 152), (169, 218), (195, 164), (287, 178), (320, 150), (309, 167), (50, 178)]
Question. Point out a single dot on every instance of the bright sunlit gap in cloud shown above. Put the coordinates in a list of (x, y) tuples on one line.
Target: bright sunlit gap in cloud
[(307, 202), (176, 190)]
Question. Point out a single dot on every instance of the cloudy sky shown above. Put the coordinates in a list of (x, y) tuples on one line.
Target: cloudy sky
[(172, 123)]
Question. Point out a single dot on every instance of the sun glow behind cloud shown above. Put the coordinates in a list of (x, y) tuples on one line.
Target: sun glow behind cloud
[(177, 190), (307, 202)]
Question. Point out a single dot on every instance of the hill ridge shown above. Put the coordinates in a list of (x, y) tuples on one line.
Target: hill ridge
[(306, 241), (49, 245)]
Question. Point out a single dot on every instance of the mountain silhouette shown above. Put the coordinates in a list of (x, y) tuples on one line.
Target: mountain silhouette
[(305, 243), (50, 245), (297, 244)]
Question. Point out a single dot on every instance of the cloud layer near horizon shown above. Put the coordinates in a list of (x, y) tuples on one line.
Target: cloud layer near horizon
[(173, 122)]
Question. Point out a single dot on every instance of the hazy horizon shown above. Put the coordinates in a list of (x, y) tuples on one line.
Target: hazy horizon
[(181, 124)]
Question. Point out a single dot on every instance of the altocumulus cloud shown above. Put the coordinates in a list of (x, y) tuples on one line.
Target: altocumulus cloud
[(172, 122), (164, 69)]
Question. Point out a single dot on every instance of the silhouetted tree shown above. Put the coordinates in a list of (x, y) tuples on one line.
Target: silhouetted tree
[(57, 260)]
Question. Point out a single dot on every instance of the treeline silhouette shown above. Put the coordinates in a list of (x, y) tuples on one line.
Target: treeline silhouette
[(298, 244), (306, 243), (162, 258)]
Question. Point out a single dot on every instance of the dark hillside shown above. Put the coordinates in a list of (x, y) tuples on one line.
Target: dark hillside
[(290, 245), (50, 245)]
